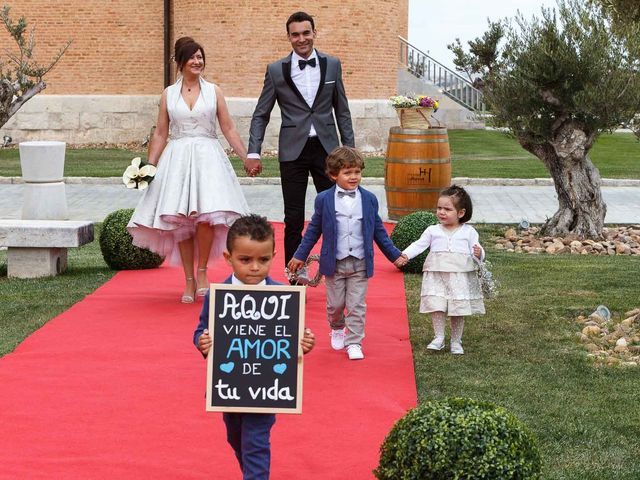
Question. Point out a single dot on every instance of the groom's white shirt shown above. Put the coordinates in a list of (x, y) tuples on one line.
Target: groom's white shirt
[(307, 80)]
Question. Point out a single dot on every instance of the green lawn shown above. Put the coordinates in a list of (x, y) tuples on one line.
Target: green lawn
[(524, 355), (27, 304), (493, 154), (475, 153)]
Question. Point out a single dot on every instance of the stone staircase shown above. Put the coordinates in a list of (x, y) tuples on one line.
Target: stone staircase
[(461, 105)]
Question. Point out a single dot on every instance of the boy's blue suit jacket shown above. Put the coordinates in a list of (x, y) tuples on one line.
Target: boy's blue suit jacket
[(324, 223), (204, 313)]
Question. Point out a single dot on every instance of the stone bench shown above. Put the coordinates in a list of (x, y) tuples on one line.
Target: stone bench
[(38, 248)]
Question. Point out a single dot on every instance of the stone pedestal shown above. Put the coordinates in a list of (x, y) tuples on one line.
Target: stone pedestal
[(44, 201), (42, 165), (35, 262), (38, 248)]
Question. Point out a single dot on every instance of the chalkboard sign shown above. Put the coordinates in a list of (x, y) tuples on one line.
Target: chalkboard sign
[(255, 362)]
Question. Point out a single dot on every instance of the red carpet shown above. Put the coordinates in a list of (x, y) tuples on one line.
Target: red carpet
[(114, 389)]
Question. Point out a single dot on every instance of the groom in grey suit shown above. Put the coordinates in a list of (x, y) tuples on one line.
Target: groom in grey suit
[(307, 85)]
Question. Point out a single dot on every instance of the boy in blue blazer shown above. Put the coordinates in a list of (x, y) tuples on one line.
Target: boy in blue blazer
[(250, 251), (347, 217)]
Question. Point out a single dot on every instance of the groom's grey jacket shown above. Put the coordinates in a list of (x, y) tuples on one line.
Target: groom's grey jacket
[(297, 116)]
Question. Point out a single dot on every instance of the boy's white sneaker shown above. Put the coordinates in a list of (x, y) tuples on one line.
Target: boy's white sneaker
[(337, 339), (436, 344), (456, 348), (355, 352)]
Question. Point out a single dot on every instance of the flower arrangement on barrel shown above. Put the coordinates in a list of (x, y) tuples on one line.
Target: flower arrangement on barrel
[(138, 175), (414, 111)]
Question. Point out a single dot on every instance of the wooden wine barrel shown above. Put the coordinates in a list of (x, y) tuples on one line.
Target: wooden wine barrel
[(417, 168)]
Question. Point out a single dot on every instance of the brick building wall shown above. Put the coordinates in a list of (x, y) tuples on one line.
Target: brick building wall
[(118, 45), (118, 50)]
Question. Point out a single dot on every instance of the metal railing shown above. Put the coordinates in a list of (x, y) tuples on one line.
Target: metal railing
[(452, 84)]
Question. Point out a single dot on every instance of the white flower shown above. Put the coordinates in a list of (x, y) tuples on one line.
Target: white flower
[(138, 175), (132, 171), (147, 171), (126, 179)]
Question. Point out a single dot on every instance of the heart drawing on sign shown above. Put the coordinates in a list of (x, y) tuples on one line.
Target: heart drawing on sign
[(227, 367), (280, 368)]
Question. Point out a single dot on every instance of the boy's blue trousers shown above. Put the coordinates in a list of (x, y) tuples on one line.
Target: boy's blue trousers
[(249, 435)]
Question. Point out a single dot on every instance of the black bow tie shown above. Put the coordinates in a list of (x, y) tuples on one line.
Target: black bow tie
[(351, 193), (303, 63)]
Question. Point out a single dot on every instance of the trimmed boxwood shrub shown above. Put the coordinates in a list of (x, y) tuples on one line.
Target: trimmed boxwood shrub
[(117, 248), (458, 438), (408, 230)]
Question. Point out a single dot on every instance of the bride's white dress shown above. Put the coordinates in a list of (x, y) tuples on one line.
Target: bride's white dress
[(194, 183)]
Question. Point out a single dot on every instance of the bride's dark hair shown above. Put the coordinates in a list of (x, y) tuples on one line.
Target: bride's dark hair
[(184, 49)]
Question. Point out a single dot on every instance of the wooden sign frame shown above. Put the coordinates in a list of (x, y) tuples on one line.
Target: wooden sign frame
[(235, 338)]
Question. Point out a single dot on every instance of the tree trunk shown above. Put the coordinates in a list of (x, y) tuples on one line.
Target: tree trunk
[(577, 182), (10, 103)]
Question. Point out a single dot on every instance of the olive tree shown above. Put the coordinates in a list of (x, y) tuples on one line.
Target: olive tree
[(622, 12), (21, 75), (556, 82)]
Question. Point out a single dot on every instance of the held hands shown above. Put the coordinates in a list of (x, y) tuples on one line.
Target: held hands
[(477, 251), (204, 343), (401, 261), (252, 166), (308, 341), (295, 264)]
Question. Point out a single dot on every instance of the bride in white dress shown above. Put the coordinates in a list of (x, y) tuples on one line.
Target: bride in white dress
[(195, 196)]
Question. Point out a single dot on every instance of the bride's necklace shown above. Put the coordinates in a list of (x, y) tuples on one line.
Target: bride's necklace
[(190, 87)]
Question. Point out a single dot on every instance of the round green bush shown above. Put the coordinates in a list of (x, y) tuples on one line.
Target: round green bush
[(117, 248), (458, 438), (408, 230)]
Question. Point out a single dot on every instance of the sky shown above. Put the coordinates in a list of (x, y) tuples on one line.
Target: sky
[(433, 24)]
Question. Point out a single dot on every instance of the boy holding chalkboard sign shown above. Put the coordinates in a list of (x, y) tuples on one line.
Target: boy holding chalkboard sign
[(347, 217), (250, 252)]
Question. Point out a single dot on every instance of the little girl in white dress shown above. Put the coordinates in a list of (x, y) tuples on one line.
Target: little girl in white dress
[(450, 286)]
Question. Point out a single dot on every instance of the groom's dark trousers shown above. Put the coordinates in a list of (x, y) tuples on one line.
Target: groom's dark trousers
[(294, 179)]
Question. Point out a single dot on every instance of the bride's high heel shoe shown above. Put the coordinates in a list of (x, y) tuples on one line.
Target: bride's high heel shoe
[(186, 298), (202, 291)]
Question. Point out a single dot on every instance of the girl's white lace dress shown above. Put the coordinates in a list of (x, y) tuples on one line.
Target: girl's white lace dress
[(449, 283)]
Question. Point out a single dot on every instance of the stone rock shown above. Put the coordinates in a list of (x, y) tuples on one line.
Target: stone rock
[(623, 249), (554, 248), (621, 342), (511, 234), (616, 241), (594, 317), (592, 347), (591, 330)]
